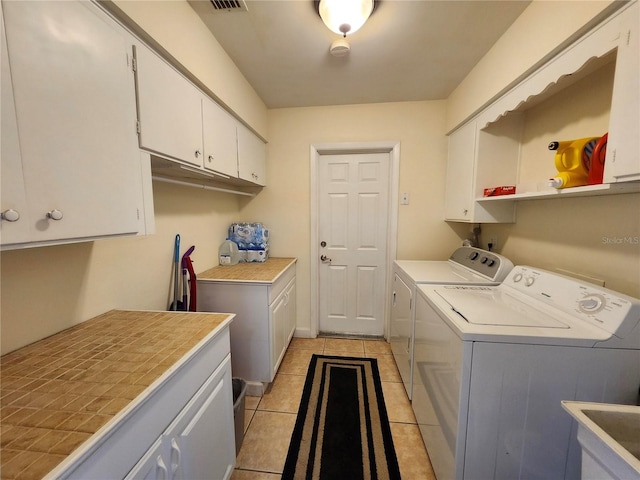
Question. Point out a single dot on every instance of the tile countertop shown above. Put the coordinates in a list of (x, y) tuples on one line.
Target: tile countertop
[(56, 393), (251, 272)]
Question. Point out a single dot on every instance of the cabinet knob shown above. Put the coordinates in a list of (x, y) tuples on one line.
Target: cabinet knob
[(55, 214), (465, 211), (210, 158), (198, 153), (10, 215)]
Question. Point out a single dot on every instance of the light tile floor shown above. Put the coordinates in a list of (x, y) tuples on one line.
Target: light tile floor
[(269, 420)]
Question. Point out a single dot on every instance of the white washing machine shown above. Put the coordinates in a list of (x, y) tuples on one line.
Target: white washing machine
[(466, 266), (493, 363)]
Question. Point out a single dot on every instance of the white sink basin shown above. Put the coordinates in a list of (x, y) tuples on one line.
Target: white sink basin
[(610, 439)]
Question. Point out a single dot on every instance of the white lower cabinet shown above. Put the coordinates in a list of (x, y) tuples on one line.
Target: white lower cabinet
[(264, 324), (199, 443), (182, 427)]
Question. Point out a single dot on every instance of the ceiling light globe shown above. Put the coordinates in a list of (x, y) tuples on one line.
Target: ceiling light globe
[(345, 16)]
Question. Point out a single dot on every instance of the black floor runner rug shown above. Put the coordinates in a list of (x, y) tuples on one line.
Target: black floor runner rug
[(342, 430)]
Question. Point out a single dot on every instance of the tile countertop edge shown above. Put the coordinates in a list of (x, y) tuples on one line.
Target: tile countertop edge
[(249, 281), (104, 432)]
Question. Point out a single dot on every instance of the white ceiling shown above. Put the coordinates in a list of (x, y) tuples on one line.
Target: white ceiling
[(408, 50)]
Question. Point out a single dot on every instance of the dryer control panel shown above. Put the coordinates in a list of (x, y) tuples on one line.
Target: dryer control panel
[(492, 265)]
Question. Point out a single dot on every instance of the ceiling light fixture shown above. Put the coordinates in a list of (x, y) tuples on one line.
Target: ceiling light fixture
[(345, 16)]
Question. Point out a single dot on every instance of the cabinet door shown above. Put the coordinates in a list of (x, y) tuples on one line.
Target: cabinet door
[(459, 182), (75, 103), (152, 466), (219, 137), (401, 329), (252, 157), (623, 160), (279, 322), (169, 110), (12, 189), (291, 312), (201, 440)]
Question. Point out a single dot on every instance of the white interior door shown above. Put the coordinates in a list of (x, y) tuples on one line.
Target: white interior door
[(353, 219)]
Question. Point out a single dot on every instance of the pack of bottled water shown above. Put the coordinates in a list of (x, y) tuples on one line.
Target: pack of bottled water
[(252, 240)]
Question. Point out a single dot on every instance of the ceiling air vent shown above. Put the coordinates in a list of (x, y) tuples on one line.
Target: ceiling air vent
[(229, 5)]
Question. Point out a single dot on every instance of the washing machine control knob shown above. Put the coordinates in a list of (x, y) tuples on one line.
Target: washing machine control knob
[(517, 277), (529, 281), (474, 255), (483, 260), (591, 303), (491, 263)]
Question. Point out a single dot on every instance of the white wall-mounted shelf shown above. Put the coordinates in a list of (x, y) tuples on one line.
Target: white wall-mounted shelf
[(586, 191)]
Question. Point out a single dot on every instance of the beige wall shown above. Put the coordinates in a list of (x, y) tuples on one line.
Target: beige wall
[(598, 237), (284, 205)]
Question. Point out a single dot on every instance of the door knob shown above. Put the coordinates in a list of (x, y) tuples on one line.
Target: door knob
[(323, 244), (325, 259)]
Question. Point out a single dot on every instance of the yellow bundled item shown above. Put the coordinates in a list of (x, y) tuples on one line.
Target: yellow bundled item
[(572, 162)]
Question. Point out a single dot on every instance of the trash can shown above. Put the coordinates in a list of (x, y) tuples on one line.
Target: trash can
[(239, 392)]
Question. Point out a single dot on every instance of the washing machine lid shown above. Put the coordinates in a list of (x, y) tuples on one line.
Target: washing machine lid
[(485, 305), (441, 272)]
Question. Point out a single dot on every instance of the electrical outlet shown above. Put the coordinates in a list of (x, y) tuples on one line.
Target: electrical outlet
[(493, 243), (405, 199)]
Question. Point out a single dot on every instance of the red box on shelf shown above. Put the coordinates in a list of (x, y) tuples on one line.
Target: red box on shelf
[(497, 191)]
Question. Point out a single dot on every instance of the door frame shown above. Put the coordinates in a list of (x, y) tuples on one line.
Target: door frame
[(316, 151)]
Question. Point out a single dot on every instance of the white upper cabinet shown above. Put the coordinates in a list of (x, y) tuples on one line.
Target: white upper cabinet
[(623, 150), (169, 110), (70, 165), (588, 89), (14, 225), (464, 171), (220, 142), (458, 203), (178, 122), (252, 157)]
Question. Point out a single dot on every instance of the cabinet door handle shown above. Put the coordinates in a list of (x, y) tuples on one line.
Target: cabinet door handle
[(210, 158), (175, 456), (55, 214), (161, 469), (10, 215), (394, 299), (198, 153)]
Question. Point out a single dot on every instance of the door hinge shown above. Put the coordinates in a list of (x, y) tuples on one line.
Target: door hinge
[(134, 64), (138, 127), (628, 37)]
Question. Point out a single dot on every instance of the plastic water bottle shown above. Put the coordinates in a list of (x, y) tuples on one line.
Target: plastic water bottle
[(228, 253)]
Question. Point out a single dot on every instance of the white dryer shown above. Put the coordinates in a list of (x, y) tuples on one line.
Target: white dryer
[(493, 363), (465, 266)]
